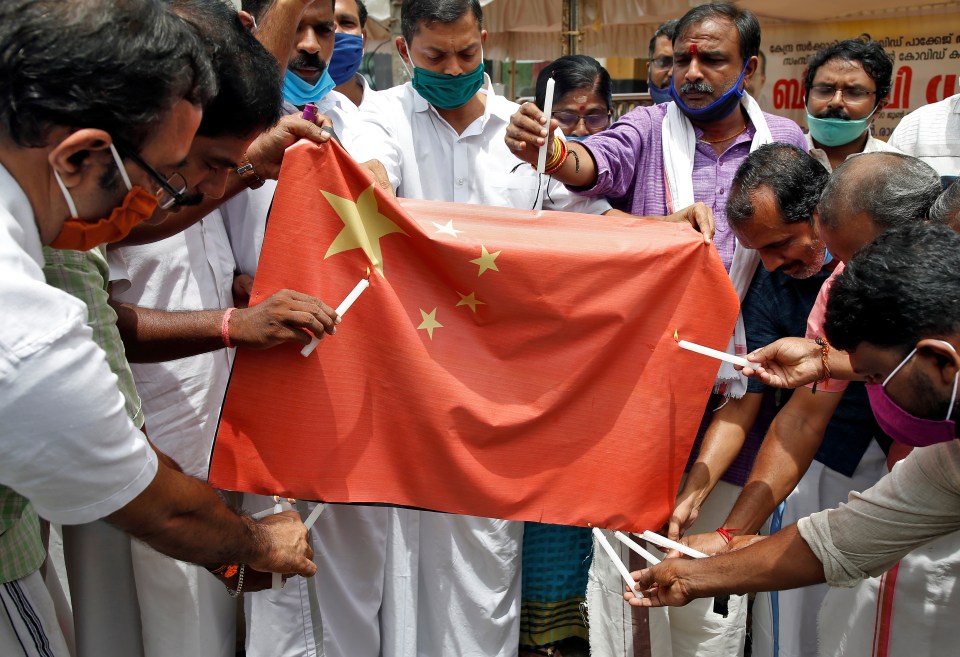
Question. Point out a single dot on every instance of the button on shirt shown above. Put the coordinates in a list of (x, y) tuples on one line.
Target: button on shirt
[(68, 443), (630, 173), (425, 158)]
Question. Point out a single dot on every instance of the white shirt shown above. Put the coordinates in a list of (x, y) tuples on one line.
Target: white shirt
[(932, 133), (426, 158), (192, 270), (872, 146), (245, 215), (68, 444)]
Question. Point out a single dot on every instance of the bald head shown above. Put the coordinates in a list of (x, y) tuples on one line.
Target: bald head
[(891, 189)]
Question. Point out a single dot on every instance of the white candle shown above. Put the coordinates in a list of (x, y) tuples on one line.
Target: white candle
[(312, 518), (277, 577), (713, 353), (624, 573), (633, 545), (657, 539), (341, 310), (548, 112)]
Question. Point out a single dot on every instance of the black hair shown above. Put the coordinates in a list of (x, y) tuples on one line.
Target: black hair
[(249, 98), (870, 54), (667, 29), (795, 178), (575, 72), (746, 23), (414, 12), (893, 189), (900, 289), (256, 8), (116, 65), (362, 13)]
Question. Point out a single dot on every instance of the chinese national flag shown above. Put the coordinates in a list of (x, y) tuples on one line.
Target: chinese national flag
[(503, 363)]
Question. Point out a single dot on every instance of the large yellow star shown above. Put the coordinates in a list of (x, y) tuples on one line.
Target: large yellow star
[(469, 300), (429, 322), (363, 226), (486, 261)]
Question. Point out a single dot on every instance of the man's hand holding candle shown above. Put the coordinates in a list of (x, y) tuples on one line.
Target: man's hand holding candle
[(286, 316)]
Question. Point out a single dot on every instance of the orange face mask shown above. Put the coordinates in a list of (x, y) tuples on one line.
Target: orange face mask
[(82, 235)]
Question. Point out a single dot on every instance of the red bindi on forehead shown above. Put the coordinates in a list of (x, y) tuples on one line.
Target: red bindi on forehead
[(693, 49)]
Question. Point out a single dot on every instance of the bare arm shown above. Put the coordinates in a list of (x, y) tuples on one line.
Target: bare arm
[(778, 562), (526, 134), (787, 451), (794, 362), (721, 444), (151, 336), (185, 518)]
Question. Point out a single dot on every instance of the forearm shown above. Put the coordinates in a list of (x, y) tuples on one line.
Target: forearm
[(579, 169), (186, 519), (151, 336), (786, 453), (782, 561), (723, 440)]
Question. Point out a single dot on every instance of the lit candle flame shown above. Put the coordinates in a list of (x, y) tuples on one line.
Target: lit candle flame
[(676, 335)]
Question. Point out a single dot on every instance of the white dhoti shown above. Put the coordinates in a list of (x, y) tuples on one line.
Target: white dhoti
[(184, 609), (794, 632), (103, 593), (453, 586), (911, 611), (695, 630), (349, 544), (28, 620)]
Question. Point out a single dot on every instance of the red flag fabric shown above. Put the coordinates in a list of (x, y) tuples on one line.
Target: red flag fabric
[(503, 363)]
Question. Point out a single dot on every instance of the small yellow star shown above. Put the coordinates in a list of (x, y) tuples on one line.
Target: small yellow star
[(447, 228), (486, 261), (470, 300), (363, 226), (429, 322)]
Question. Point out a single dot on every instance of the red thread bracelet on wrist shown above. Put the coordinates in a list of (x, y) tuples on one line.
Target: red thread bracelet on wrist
[(225, 327), (725, 533)]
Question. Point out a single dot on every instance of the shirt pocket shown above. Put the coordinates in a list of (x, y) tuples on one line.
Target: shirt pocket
[(515, 190)]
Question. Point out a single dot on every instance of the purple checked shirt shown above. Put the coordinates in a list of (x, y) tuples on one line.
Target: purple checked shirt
[(629, 158)]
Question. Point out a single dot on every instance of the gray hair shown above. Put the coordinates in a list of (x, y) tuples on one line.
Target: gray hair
[(891, 188), (946, 209)]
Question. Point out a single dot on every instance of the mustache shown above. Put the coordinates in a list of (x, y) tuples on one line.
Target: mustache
[(308, 60), (701, 87), (833, 113)]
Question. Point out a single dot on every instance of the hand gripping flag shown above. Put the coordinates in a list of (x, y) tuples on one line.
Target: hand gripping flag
[(503, 363)]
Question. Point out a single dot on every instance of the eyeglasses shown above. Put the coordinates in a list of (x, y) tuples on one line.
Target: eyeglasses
[(172, 187), (593, 120), (850, 95), (662, 63)]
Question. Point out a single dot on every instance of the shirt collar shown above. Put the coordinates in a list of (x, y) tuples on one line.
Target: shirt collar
[(14, 201)]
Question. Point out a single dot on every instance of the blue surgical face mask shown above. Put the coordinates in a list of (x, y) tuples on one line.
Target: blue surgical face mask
[(837, 132), (659, 95), (445, 91), (347, 55), (721, 108), (827, 257), (299, 92)]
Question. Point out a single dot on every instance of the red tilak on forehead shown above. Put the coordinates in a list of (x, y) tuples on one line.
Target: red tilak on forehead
[(693, 49)]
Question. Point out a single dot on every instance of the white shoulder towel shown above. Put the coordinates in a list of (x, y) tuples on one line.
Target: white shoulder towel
[(679, 144)]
